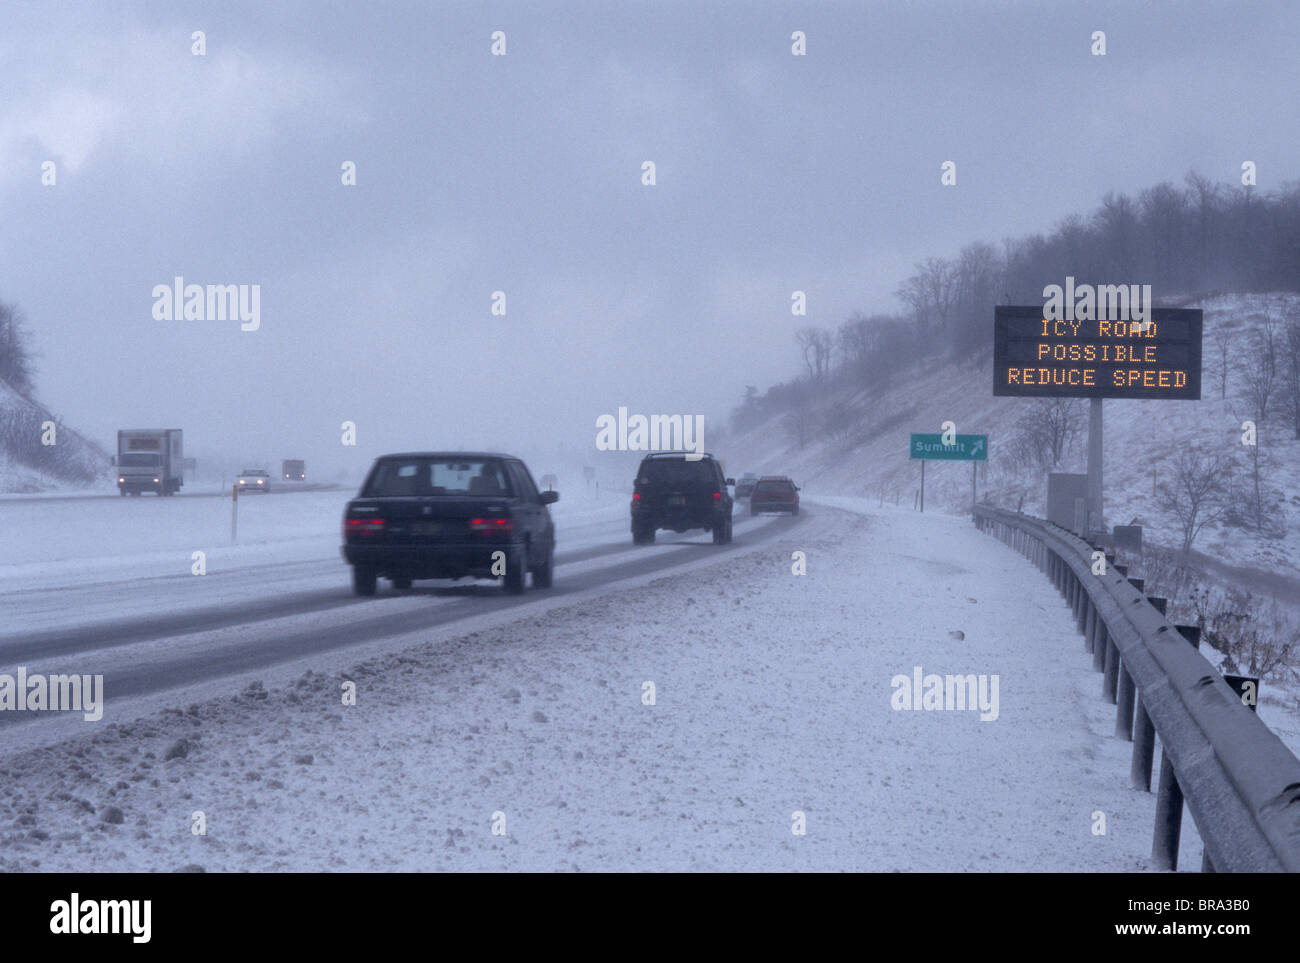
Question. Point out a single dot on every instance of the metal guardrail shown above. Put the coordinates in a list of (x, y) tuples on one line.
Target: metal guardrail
[(1239, 780)]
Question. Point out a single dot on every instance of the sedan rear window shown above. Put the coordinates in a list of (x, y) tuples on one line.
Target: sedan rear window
[(771, 487), (397, 477)]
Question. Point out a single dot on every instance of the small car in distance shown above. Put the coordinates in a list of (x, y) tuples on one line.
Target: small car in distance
[(774, 493), (449, 515), (745, 487), (254, 480)]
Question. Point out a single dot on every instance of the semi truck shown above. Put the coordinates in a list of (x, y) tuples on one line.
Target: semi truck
[(293, 469), (149, 460)]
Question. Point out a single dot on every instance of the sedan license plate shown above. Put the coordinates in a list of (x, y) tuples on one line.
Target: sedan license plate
[(426, 528), (676, 499)]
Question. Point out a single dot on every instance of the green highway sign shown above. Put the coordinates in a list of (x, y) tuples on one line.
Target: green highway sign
[(966, 448)]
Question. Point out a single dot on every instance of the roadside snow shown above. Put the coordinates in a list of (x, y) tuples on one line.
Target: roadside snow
[(773, 698)]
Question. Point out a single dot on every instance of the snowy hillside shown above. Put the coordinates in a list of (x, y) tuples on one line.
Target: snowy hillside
[(1241, 586), (1140, 437), (28, 465)]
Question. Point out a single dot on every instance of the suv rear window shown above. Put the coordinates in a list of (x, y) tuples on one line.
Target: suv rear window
[(395, 477), (675, 471)]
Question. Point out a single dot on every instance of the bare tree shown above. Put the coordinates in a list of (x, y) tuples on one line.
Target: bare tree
[(1117, 224), (799, 420), (1047, 431), (1196, 495), (1206, 199), (1220, 363), (1260, 369), (1290, 351), (817, 346), (1164, 214), (856, 338), (930, 294), (15, 356)]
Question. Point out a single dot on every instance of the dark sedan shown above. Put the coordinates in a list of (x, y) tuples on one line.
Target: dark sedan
[(449, 515)]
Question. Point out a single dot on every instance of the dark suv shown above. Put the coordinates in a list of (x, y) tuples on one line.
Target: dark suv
[(679, 493), (449, 515)]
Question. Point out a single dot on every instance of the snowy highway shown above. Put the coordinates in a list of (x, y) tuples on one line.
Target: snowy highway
[(776, 702), (189, 629)]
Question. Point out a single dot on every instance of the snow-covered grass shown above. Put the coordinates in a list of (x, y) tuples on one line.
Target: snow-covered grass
[(772, 697), (1141, 437)]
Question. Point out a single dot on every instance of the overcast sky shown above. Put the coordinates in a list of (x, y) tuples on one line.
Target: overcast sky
[(522, 174)]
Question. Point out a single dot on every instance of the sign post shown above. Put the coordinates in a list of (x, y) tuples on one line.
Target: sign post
[(1096, 520), (972, 448)]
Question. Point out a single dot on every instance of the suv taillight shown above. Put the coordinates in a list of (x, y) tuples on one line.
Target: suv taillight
[(717, 496), (363, 526), (494, 526)]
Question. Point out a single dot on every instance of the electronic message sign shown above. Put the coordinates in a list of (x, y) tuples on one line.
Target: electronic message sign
[(1034, 357)]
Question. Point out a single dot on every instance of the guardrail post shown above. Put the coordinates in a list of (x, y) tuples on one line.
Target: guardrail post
[(1144, 747), (1169, 816), (1100, 643), (1110, 670), (1192, 633), (1124, 705), (1161, 605), (1089, 623)]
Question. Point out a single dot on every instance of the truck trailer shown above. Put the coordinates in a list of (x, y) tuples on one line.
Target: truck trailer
[(149, 460)]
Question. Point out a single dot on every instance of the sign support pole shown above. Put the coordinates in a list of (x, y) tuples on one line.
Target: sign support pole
[(923, 487), (1096, 521), (973, 500)]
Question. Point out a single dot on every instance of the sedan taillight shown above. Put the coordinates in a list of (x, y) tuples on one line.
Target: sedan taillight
[(363, 526), (492, 526)]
